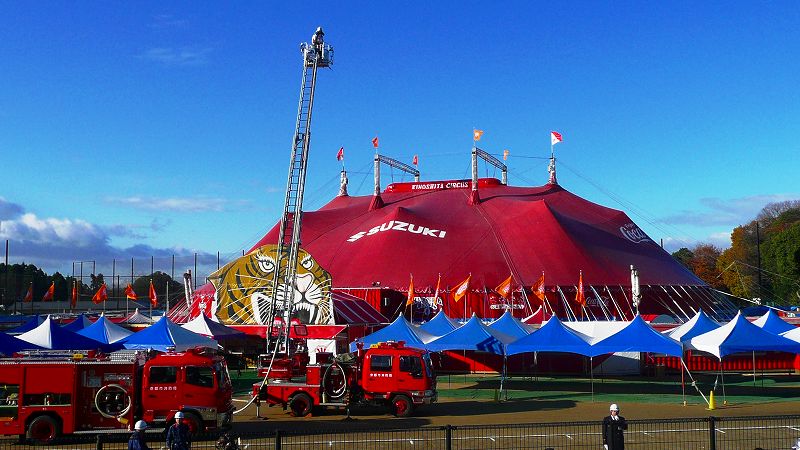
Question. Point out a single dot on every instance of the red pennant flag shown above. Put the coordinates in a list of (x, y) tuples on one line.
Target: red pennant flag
[(129, 293), (48, 296), (73, 301), (461, 289), (538, 288), (555, 137), (375, 142), (436, 293), (152, 294), (415, 161), (340, 154), (29, 295), (580, 298), (101, 295), (504, 289), (411, 294), (505, 155)]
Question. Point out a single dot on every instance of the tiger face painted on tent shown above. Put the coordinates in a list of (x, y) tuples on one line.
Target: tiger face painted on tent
[(244, 289)]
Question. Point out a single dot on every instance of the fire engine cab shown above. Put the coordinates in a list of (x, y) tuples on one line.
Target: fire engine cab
[(388, 374), (45, 394)]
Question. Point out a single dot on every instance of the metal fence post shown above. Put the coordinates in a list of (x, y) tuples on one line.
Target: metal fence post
[(448, 437), (277, 439), (712, 436), (99, 442)]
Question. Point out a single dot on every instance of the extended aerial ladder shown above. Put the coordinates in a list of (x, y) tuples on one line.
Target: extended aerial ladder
[(316, 55)]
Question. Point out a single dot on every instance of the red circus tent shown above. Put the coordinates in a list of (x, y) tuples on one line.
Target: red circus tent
[(371, 247)]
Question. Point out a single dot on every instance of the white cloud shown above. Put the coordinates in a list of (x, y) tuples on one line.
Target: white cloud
[(728, 212), (184, 56), (174, 204)]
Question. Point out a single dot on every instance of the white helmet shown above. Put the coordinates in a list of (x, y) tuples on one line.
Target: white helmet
[(140, 425), (614, 407), (179, 415)]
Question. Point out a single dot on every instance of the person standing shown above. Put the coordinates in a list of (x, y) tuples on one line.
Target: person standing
[(613, 426), (136, 441), (179, 437)]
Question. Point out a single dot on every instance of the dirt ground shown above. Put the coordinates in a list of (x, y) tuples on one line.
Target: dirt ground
[(472, 402)]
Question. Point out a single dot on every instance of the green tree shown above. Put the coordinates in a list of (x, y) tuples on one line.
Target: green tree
[(781, 259), (160, 281), (683, 256), (738, 264)]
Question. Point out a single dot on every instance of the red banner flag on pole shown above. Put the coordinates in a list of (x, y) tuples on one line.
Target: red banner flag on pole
[(504, 289), (411, 295), (555, 137), (152, 294), (73, 301), (538, 288), (580, 298), (101, 295), (29, 295), (436, 293), (48, 296), (461, 289), (130, 293), (340, 154), (375, 142), (415, 161)]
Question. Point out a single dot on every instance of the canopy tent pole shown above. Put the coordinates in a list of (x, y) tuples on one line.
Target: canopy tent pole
[(722, 374), (754, 367), (694, 383), (683, 383), (591, 374)]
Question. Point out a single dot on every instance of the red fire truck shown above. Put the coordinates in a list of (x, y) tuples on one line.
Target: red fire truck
[(388, 374), (45, 394)]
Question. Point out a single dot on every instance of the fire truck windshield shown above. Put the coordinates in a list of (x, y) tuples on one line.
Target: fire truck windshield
[(223, 378)]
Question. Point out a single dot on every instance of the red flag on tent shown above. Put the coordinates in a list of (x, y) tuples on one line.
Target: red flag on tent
[(476, 135), (48, 296), (504, 289), (130, 293), (340, 154), (461, 289), (411, 294), (375, 142), (436, 293), (580, 298), (101, 295), (29, 295), (73, 301), (152, 294), (415, 161), (555, 137), (538, 288)]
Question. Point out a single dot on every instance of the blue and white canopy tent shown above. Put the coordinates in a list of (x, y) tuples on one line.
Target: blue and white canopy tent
[(553, 336), (32, 323), (698, 325), (740, 336), (773, 323), (637, 336), (475, 336), (10, 345), (439, 325), (78, 324), (511, 326), (399, 330), (165, 335), (105, 331), (202, 324), (52, 336)]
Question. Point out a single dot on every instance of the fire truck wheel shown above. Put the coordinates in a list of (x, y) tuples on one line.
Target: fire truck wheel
[(401, 406), (42, 430), (195, 425), (300, 404)]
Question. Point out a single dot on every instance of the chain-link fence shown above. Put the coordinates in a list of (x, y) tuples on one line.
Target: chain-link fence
[(709, 433)]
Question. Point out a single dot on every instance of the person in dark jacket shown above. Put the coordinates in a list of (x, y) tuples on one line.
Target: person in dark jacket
[(613, 426), (179, 437), (137, 442)]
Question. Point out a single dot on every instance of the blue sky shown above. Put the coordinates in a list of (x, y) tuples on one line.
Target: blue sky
[(131, 129)]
